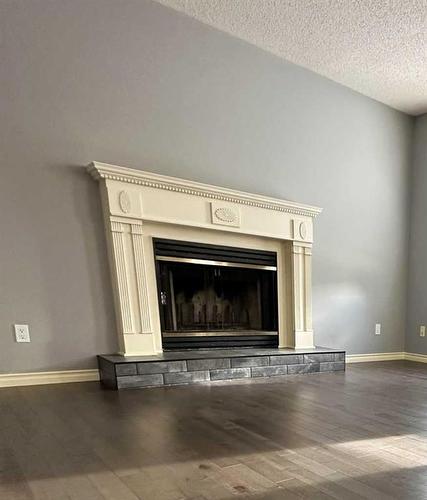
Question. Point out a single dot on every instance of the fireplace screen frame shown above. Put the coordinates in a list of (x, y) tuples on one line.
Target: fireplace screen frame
[(217, 272)]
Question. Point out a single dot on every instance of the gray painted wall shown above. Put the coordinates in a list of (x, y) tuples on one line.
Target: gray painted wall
[(417, 293), (135, 84)]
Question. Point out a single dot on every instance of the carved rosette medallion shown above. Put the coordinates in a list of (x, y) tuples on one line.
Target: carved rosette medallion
[(226, 215), (124, 202), (303, 230)]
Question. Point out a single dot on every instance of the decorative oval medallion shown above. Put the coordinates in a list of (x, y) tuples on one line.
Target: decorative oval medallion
[(303, 230), (124, 202), (226, 215)]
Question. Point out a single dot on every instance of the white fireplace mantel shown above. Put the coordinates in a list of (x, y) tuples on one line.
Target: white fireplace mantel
[(139, 206)]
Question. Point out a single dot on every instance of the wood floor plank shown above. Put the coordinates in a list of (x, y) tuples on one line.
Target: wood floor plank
[(361, 434)]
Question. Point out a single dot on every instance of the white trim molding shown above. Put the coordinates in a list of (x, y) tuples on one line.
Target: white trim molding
[(377, 356), (419, 358), (139, 206), (43, 378), (149, 179), (386, 356)]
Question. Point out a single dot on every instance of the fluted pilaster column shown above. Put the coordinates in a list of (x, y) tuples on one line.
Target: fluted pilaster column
[(301, 295)]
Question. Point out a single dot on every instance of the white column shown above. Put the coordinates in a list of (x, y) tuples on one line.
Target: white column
[(121, 278), (301, 295), (141, 278), (129, 276)]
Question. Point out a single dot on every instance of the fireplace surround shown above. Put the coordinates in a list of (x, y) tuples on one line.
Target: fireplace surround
[(142, 209)]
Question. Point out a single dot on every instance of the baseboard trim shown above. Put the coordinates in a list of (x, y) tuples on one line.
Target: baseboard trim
[(419, 358), (41, 378), (378, 356), (386, 356)]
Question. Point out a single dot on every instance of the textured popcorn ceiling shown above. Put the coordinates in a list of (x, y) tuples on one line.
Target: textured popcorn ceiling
[(376, 47)]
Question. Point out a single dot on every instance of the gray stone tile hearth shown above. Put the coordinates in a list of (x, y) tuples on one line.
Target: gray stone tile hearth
[(287, 360), (208, 364), (186, 377), (254, 361), (195, 366), (269, 371), (129, 381), (230, 373), (162, 367), (304, 368)]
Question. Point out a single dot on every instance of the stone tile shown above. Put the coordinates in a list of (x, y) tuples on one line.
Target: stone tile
[(107, 374), (186, 377), (133, 381), (230, 373), (332, 366), (108, 380), (252, 361), (207, 364), (125, 369), (290, 359), (161, 367), (106, 366), (305, 368), (269, 371), (197, 366), (232, 352), (318, 358)]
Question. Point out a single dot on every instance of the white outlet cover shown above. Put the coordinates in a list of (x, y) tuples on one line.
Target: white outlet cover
[(378, 329), (22, 333), (422, 331)]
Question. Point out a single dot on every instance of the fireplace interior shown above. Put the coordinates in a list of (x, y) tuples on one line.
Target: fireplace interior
[(215, 296)]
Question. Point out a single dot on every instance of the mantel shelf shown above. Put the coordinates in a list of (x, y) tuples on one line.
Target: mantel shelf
[(150, 179)]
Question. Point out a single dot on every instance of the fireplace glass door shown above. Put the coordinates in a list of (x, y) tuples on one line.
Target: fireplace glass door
[(216, 303)]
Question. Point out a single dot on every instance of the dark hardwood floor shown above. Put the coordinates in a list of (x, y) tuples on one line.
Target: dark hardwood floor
[(359, 434)]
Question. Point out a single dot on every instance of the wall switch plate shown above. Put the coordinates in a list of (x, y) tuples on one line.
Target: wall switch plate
[(378, 329), (22, 333), (422, 331)]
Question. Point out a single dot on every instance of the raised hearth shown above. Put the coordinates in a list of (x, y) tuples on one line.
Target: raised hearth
[(196, 366)]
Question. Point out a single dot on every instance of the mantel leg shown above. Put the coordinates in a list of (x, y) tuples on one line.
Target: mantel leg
[(301, 296)]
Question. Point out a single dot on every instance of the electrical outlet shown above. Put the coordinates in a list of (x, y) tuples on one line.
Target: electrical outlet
[(22, 333), (422, 331), (378, 329)]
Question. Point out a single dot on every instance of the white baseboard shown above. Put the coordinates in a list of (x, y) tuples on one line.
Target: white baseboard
[(420, 358), (378, 356), (386, 356), (41, 378)]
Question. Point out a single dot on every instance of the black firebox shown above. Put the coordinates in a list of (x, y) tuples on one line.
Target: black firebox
[(216, 296)]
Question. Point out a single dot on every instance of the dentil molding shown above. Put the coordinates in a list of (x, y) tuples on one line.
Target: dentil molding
[(157, 181)]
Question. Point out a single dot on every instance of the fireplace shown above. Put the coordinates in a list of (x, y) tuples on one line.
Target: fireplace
[(194, 264), (216, 296)]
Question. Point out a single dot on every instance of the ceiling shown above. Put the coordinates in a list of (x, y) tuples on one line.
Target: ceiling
[(376, 47)]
